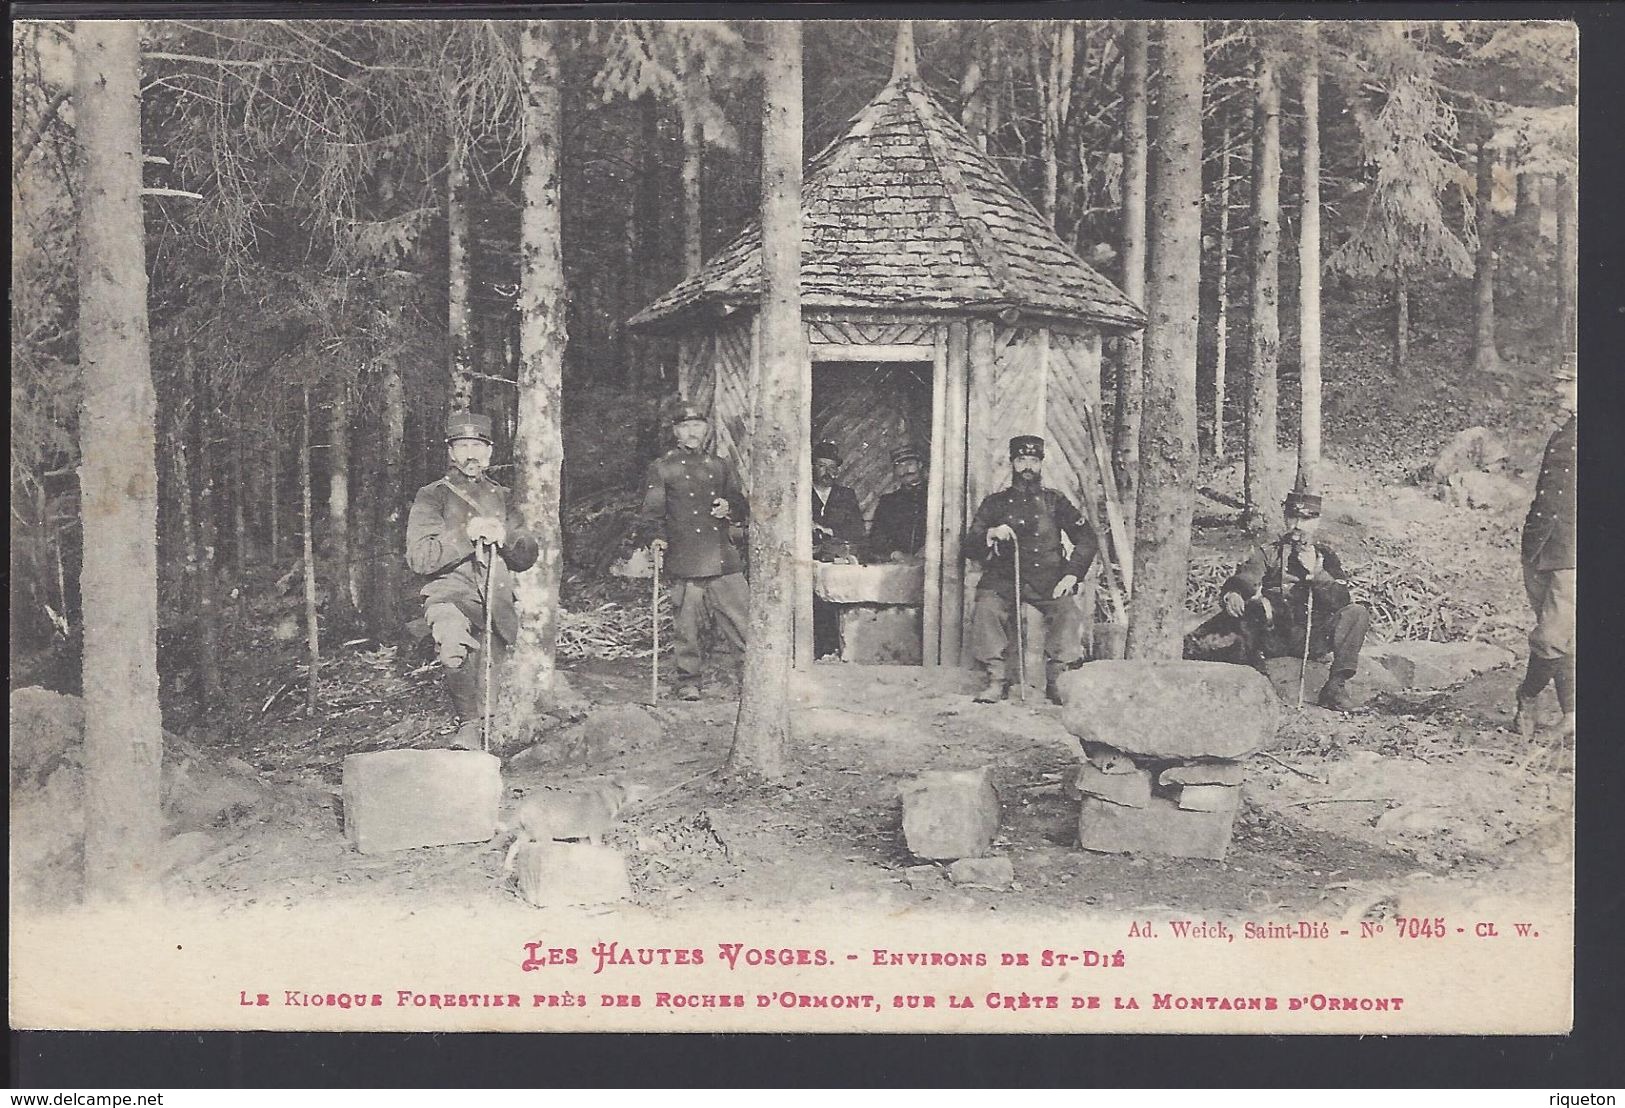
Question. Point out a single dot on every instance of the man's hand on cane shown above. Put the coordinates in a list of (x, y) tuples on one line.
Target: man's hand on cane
[(1002, 533), (487, 530)]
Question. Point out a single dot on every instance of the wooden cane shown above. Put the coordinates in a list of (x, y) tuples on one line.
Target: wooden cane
[(485, 647), (1021, 638), (1308, 629), (654, 619)]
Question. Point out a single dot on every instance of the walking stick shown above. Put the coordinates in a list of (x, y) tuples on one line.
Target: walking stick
[(1021, 638), (654, 619), (1308, 629), (486, 647)]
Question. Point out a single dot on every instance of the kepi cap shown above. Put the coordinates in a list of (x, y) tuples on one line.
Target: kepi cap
[(1027, 446), (685, 410), (905, 454), (468, 425), (826, 449)]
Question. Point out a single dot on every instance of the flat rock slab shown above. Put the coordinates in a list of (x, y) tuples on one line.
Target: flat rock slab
[(1209, 798), (1160, 828), (1132, 789), (1175, 710), (1204, 773), (892, 583), (987, 873), (400, 799), (874, 635), (558, 875), (950, 813), (1108, 760), (1434, 665), (1369, 681)]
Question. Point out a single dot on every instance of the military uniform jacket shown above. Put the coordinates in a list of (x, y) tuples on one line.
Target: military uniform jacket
[(1549, 529), (437, 547), (1039, 519), (677, 495), (840, 513), (1271, 571), (899, 523)]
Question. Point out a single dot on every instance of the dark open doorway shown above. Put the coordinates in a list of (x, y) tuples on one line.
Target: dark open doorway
[(870, 613)]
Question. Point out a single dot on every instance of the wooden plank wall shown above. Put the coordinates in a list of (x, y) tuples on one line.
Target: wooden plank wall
[(1074, 378), (697, 370), (733, 401)]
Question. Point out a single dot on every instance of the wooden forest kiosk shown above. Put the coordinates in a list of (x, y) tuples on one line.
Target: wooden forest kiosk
[(942, 312)]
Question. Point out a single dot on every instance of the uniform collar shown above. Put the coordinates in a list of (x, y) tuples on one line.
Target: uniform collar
[(454, 474)]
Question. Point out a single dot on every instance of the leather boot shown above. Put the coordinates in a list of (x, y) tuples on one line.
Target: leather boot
[(1335, 695), (1526, 719), (995, 689)]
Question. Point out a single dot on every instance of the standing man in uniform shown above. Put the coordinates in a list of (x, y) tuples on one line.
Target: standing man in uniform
[(1549, 570), (898, 531), (460, 529), (1265, 606), (1037, 517), (694, 512), (837, 529)]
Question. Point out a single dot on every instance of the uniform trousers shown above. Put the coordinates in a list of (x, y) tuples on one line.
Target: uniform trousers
[(725, 599), (993, 624)]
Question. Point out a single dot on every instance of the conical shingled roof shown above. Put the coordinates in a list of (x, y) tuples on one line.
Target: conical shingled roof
[(904, 212)]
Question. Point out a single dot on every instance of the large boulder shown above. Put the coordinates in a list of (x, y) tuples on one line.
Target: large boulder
[(1369, 682), (401, 799), (45, 725), (950, 814), (1173, 710), (1435, 665), (1495, 492)]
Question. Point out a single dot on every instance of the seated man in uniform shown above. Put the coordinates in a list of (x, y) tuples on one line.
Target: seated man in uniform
[(1266, 613), (898, 531), (1029, 518), (461, 533), (837, 529)]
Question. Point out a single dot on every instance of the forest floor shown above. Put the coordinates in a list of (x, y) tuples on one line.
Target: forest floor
[(1344, 814)]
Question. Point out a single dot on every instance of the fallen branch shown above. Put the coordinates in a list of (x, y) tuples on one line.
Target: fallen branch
[(1293, 768)]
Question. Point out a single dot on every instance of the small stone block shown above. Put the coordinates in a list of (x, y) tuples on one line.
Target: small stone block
[(1108, 759), (1161, 828), (556, 875), (989, 873), (400, 799), (922, 877), (880, 635), (950, 814), (1132, 789), (1209, 798), (1204, 773)]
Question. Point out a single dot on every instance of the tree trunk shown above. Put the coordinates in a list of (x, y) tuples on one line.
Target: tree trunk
[(1264, 327), (1168, 431), (693, 165), (1402, 322), (342, 599), (1130, 348), (1568, 267), (1221, 280), (241, 554), (459, 333), (538, 439), (312, 632), (205, 534), (1309, 268), (1526, 212), (123, 744), (973, 86), (392, 496), (273, 448), (1054, 44), (1486, 358), (761, 747)]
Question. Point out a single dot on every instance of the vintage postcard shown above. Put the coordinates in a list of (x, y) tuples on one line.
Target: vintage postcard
[(855, 525)]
